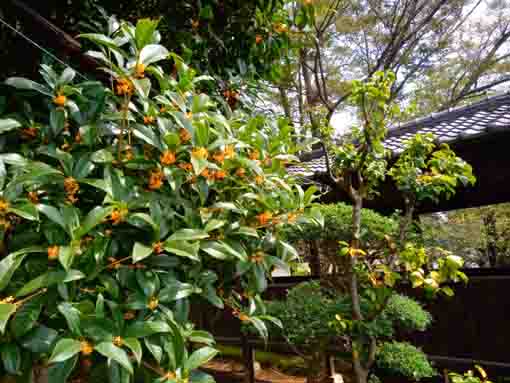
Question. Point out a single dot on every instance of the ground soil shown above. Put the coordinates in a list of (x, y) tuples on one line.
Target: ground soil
[(231, 371)]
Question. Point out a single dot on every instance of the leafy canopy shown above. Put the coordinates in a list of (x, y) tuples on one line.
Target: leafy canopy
[(122, 204)]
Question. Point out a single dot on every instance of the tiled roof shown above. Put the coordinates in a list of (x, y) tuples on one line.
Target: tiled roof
[(489, 115)]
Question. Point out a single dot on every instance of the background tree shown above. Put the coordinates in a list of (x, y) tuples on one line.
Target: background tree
[(422, 171), (441, 52)]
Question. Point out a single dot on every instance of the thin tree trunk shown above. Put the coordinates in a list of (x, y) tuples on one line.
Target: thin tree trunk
[(284, 99), (361, 374)]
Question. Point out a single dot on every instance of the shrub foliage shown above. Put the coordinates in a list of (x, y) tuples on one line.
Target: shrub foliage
[(121, 204)]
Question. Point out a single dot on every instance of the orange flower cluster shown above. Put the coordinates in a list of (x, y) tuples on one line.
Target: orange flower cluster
[(29, 133), (219, 157), (200, 153), (281, 28), (167, 158), (140, 70), (258, 39), (264, 218), (292, 217), (128, 315), (229, 152), (258, 257), (241, 172), (157, 247), (118, 216), (53, 252), (86, 348), (231, 96), (117, 341), (220, 175), (195, 24), (71, 187), (153, 303), (4, 206), (254, 155), (156, 179), (259, 180), (124, 87), (148, 120), (186, 166), (60, 100), (184, 135), (33, 197)]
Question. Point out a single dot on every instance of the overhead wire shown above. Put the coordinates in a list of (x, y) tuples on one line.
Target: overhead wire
[(41, 48)]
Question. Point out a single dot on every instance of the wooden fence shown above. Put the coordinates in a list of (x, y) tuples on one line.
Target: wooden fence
[(473, 327)]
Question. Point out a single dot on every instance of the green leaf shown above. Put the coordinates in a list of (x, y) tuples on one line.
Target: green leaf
[(215, 249), (57, 121), (66, 256), (199, 164), (261, 327), (27, 211), (53, 214), (188, 235), (100, 40), (200, 357), (214, 224), (201, 337), (140, 252), (136, 348), (39, 340), (144, 329), (25, 84), (72, 315), (102, 156), (152, 53), (198, 376), (60, 372), (8, 124), (111, 351), (9, 264), (175, 290), (67, 76), (11, 358), (26, 316), (6, 310), (144, 32), (49, 279), (93, 218), (64, 349), (183, 249)]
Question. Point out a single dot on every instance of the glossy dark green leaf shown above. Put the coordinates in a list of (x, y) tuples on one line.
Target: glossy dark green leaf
[(136, 348), (25, 84), (93, 218), (8, 124), (40, 339), (57, 121), (144, 329), (183, 249), (72, 315), (6, 310), (175, 290), (26, 210), (9, 264), (153, 53), (200, 357), (26, 316), (11, 358), (64, 349), (49, 279), (140, 252), (111, 351), (60, 372)]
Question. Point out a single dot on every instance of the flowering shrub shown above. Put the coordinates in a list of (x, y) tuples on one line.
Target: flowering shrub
[(120, 204)]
